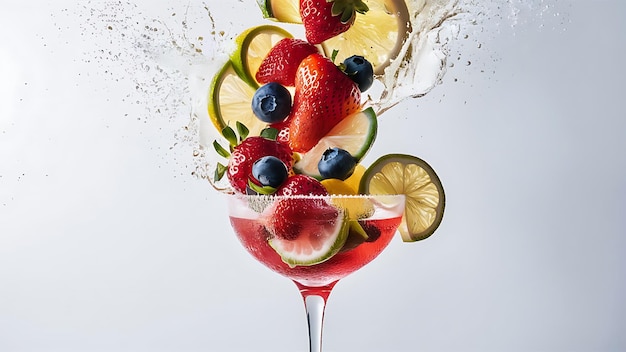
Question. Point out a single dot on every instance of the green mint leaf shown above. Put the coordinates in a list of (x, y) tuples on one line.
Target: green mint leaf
[(230, 135), (242, 130), (220, 150), (220, 170)]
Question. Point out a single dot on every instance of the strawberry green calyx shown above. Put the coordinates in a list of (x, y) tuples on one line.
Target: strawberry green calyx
[(347, 9)]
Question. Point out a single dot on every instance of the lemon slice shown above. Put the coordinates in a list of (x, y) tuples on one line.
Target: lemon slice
[(356, 208), (253, 45), (355, 179), (355, 134), (377, 35), (286, 11), (230, 101), (413, 177), (337, 186), (349, 186)]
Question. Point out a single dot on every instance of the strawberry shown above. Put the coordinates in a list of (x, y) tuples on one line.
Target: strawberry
[(249, 151), (289, 215), (323, 97), (282, 61), (283, 131), (301, 185), (324, 19), (286, 221)]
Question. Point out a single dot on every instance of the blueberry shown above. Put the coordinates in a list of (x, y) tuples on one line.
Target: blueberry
[(269, 171), (271, 103), (360, 71), (336, 163)]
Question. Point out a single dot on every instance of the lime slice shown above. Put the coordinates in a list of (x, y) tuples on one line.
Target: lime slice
[(317, 242), (377, 35), (287, 11), (253, 45), (230, 101), (355, 134), (413, 177)]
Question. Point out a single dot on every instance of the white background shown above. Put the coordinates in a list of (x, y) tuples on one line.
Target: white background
[(107, 243)]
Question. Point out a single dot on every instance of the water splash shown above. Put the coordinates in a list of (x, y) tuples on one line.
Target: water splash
[(422, 61), (168, 61)]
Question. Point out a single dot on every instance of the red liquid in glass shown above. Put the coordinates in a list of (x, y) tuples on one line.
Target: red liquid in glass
[(254, 237)]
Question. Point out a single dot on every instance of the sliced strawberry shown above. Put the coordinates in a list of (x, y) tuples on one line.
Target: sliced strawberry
[(250, 150), (324, 96), (282, 61)]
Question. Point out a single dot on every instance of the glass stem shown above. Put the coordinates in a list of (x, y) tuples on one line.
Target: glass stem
[(315, 304)]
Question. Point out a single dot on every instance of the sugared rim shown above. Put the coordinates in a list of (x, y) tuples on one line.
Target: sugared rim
[(388, 197)]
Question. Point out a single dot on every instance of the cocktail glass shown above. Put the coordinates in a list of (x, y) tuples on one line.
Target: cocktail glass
[(370, 222)]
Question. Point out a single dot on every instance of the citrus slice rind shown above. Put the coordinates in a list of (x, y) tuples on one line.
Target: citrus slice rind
[(230, 101), (253, 45), (286, 11), (413, 177), (356, 134), (317, 244), (378, 35)]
